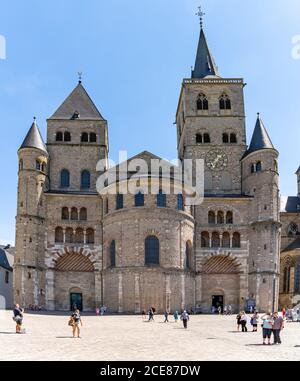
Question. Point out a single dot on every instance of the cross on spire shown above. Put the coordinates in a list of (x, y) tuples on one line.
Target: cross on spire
[(200, 14), (79, 76)]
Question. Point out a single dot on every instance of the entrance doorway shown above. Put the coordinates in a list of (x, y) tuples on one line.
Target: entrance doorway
[(75, 301), (218, 301)]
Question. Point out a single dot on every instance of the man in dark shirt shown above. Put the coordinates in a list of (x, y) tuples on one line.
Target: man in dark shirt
[(18, 317), (277, 327)]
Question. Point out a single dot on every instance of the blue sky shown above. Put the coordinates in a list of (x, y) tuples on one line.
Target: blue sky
[(134, 55)]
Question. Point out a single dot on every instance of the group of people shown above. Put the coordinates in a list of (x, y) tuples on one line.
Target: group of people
[(226, 311), (184, 316), (101, 311), (271, 323)]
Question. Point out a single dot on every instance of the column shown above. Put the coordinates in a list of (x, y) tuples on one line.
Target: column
[(84, 236), (182, 291), (64, 235), (120, 309), (98, 289), (231, 236), (210, 239), (50, 298), (168, 292), (137, 294)]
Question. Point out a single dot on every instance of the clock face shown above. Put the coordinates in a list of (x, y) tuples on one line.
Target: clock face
[(216, 160)]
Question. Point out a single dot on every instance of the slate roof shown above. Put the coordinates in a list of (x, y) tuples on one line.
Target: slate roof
[(205, 64), (293, 246), (4, 262), (34, 139), (260, 138), (77, 102), (290, 204)]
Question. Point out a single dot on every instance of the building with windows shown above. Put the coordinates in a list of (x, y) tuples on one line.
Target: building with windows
[(290, 249), (6, 277), (75, 246)]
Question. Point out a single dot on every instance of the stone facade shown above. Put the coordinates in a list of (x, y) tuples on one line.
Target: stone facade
[(76, 246)]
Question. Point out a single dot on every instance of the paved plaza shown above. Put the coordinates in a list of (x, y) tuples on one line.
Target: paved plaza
[(111, 338)]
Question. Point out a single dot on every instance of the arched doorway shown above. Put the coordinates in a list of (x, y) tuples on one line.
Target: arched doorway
[(74, 282)]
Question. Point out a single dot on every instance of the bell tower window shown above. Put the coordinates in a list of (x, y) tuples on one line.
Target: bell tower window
[(202, 102)]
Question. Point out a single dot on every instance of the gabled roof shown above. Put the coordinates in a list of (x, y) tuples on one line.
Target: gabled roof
[(34, 138), (260, 138), (205, 64), (80, 103)]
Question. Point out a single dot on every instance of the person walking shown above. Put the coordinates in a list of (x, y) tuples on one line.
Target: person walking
[(97, 311), (244, 322), (166, 315), (151, 314), (185, 318), (18, 317), (254, 321), (176, 316), (220, 310), (76, 322), (267, 327), (238, 320), (278, 325), (225, 310), (229, 309)]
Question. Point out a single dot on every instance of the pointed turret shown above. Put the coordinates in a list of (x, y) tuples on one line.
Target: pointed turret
[(205, 64), (260, 138), (34, 138), (78, 105)]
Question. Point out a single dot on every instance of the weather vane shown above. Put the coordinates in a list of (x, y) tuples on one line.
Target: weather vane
[(79, 76), (200, 14)]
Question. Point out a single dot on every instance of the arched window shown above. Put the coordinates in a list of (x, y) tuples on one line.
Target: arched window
[(161, 199), (206, 138), (59, 136), (152, 250), (93, 137), (236, 240), (65, 214), (79, 236), (69, 235), (84, 137), (202, 102), (119, 201), (293, 229), (139, 199), (233, 138), (188, 255), (297, 278), (229, 218), (286, 279), (275, 166), (85, 180), (180, 205), (67, 136), (258, 166), (112, 254), (90, 236), (21, 165), (59, 235), (226, 240), (64, 178), (44, 167), (74, 214), (225, 138), (215, 242), (199, 138), (83, 214), (204, 239), (106, 209), (211, 218), (252, 168), (220, 218), (225, 103), (38, 165)]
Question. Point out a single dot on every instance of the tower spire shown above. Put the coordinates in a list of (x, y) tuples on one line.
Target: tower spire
[(205, 64)]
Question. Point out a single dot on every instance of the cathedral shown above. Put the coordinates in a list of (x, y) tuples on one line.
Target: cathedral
[(76, 246)]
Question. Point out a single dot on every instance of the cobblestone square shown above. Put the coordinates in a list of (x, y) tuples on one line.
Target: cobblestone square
[(110, 338)]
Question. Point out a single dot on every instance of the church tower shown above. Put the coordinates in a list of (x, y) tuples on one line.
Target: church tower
[(261, 181), (30, 229), (211, 122)]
